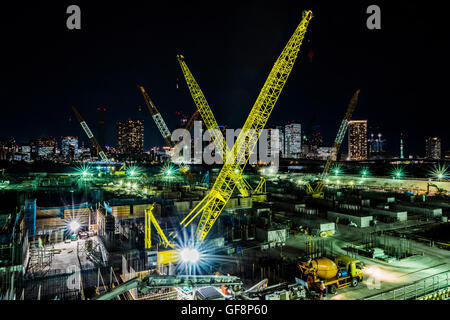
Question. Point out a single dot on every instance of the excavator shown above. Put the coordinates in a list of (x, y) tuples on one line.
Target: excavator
[(315, 188), (439, 191)]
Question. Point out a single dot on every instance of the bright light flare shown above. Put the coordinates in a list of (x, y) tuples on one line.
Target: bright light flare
[(133, 171), (84, 170), (189, 255), (169, 170), (439, 172), (397, 172), (74, 226), (381, 274), (365, 172), (337, 170)]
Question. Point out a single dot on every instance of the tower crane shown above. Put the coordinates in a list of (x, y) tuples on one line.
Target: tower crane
[(91, 137), (315, 189), (210, 121), (165, 132), (212, 205)]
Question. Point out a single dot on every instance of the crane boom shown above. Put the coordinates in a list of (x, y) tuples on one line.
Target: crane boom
[(340, 136), (162, 127), (153, 282), (88, 132), (213, 204), (209, 120), (191, 121), (149, 220)]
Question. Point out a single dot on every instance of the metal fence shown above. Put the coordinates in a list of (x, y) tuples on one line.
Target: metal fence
[(417, 289)]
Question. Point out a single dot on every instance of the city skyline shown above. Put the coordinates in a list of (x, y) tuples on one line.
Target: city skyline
[(55, 74)]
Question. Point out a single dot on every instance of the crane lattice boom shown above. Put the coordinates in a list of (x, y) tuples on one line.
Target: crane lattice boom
[(162, 127), (210, 121), (212, 205), (88, 132), (340, 136)]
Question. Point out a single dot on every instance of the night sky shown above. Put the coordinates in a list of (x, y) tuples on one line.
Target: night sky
[(230, 48)]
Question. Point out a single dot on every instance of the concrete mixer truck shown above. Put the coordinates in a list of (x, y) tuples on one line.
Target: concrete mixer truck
[(341, 273)]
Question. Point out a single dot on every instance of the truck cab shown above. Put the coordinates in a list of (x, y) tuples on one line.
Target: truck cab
[(352, 268)]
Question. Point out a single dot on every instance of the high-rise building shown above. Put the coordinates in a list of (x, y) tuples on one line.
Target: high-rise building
[(357, 140), (130, 137), (46, 148), (433, 148), (281, 136), (101, 126), (272, 143), (376, 145), (293, 140), (69, 147)]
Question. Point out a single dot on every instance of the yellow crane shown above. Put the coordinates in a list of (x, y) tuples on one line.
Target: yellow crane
[(210, 121), (149, 220), (315, 189), (212, 205)]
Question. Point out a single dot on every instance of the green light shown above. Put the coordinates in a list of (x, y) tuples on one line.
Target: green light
[(439, 172), (169, 171), (337, 170), (84, 170), (397, 172), (365, 172), (133, 171)]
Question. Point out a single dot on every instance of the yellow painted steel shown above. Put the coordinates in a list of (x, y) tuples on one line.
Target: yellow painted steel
[(261, 188), (166, 257), (210, 121), (149, 220), (213, 204)]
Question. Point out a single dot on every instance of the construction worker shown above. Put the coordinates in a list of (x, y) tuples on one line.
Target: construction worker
[(323, 291)]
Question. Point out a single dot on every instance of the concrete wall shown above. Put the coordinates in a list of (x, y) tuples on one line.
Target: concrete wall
[(361, 222), (277, 236), (428, 212), (399, 215), (182, 206)]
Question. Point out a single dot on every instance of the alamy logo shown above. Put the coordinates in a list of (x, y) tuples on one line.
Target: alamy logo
[(74, 20), (73, 281), (251, 145), (374, 20)]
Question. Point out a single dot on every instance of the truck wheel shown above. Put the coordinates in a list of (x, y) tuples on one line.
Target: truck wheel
[(332, 288), (355, 282)]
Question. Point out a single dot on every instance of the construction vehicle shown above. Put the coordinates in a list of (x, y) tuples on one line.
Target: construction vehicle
[(215, 201), (315, 188), (341, 273), (439, 191)]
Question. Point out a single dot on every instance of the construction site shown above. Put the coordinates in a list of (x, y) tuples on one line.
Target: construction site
[(109, 230)]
